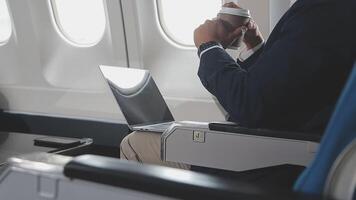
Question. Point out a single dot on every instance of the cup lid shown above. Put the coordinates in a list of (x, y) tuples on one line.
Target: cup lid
[(235, 11)]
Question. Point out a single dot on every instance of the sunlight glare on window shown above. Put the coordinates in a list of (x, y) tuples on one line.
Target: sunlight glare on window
[(81, 21), (179, 18), (5, 22)]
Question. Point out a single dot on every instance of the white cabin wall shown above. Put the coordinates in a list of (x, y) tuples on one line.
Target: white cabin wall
[(41, 72), (276, 9)]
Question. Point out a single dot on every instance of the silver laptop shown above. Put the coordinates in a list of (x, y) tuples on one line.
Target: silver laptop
[(139, 98)]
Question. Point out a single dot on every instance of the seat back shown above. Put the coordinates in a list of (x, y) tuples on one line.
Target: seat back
[(341, 183), (339, 134)]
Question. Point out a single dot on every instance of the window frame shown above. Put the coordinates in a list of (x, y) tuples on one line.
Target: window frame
[(61, 31), (4, 42), (165, 29)]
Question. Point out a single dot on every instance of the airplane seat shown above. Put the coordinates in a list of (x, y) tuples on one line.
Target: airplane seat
[(340, 136), (43, 176), (91, 177), (341, 182), (225, 146)]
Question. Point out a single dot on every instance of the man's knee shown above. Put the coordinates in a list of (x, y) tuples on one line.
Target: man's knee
[(126, 150), (145, 148)]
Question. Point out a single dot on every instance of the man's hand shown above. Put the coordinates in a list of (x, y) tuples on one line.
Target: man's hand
[(231, 5), (227, 38), (253, 36), (214, 30), (206, 32)]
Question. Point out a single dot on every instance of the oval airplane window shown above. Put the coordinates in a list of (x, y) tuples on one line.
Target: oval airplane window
[(5, 22), (81, 21), (179, 18)]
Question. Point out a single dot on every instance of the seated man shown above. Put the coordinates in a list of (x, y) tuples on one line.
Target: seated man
[(291, 82)]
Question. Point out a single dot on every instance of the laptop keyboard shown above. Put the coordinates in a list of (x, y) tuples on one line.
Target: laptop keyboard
[(161, 126)]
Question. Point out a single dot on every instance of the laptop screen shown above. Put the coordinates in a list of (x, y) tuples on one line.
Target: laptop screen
[(137, 95)]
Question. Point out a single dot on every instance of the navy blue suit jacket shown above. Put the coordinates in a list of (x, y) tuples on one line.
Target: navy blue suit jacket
[(293, 82)]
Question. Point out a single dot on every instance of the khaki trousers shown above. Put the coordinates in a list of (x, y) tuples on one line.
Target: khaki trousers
[(145, 147)]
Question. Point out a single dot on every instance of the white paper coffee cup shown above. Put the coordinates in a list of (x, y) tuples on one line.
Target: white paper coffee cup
[(241, 18), (235, 11)]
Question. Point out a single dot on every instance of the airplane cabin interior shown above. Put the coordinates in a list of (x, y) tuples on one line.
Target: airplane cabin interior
[(177, 99)]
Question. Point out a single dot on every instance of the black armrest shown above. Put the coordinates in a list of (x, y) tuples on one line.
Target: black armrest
[(165, 181), (235, 128)]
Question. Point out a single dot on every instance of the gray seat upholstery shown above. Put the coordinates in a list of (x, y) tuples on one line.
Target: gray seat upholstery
[(341, 182)]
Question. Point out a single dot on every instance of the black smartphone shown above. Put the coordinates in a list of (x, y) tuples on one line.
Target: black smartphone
[(57, 142)]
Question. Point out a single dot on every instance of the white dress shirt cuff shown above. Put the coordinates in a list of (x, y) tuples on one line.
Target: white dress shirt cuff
[(245, 54), (210, 48)]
